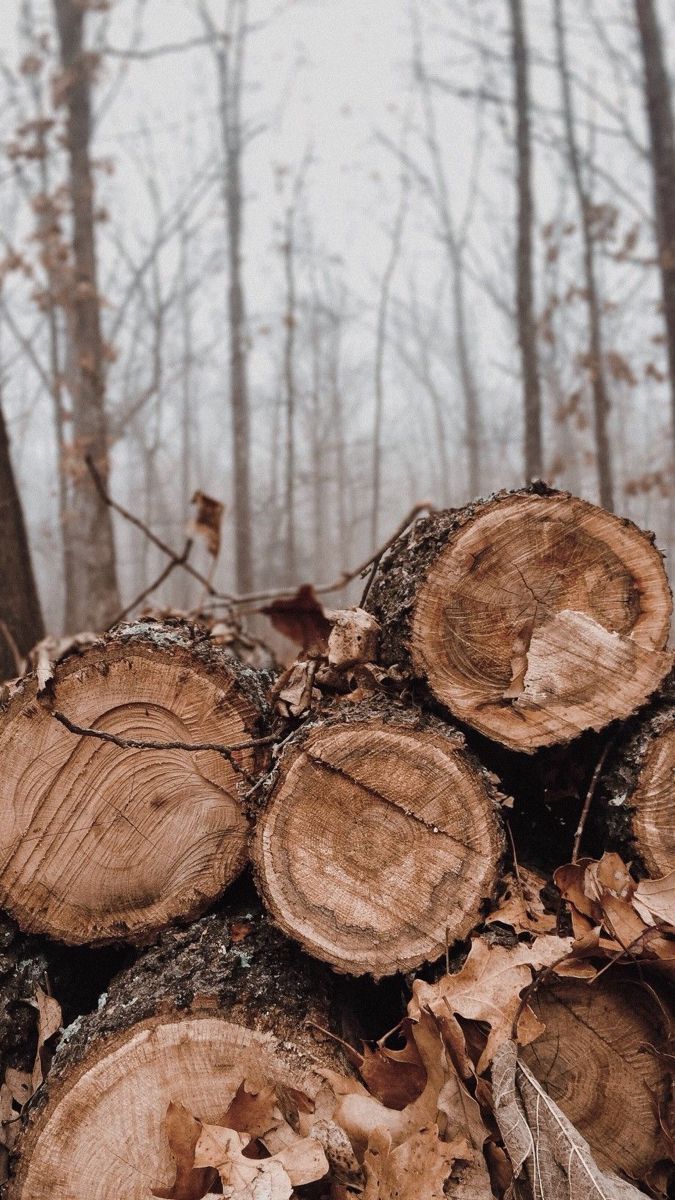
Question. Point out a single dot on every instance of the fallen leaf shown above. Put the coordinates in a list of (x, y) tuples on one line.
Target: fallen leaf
[(396, 1077), (521, 906), (654, 899), (259, 1178), (418, 1167), (302, 619), (542, 1144), (489, 986), (294, 691), (192, 1180)]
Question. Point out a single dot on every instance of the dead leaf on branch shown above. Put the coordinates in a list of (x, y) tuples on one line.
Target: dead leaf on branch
[(542, 1143), (207, 521), (302, 619)]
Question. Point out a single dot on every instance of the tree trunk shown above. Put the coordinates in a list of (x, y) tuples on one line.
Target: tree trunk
[(207, 1019), (639, 808), (532, 616), (20, 616), (380, 840), (595, 355), (658, 101), (102, 842), (229, 58), (96, 598), (527, 328), (599, 1060), (291, 563)]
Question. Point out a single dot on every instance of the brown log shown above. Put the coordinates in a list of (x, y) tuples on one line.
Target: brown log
[(380, 839), (532, 615), (226, 1002), (639, 793), (598, 1059), (101, 843)]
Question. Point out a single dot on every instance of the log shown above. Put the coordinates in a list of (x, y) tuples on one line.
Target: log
[(102, 843), (598, 1059), (380, 839), (531, 616), (638, 793), (225, 1003)]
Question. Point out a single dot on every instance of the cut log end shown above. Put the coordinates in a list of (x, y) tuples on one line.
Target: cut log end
[(597, 1061), (639, 792), (223, 1007), (101, 843), (379, 844), (534, 617)]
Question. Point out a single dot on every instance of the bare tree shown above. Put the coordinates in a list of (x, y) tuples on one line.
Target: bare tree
[(20, 615), (228, 48), (527, 326), (95, 599), (395, 246), (658, 100), (595, 358)]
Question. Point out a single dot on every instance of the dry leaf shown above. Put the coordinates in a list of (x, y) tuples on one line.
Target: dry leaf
[(183, 1132), (49, 1023), (542, 1143), (208, 520), (44, 656), (417, 1168), (302, 619), (488, 988), (654, 899), (396, 1077), (294, 691), (259, 1178), (251, 1112), (521, 906)]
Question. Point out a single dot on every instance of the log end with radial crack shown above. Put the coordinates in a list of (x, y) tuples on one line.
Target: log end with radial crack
[(229, 1002), (380, 839), (532, 615), (101, 843)]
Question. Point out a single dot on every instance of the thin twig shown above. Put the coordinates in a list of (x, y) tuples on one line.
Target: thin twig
[(651, 931), (178, 561), (227, 752), (589, 799), (423, 506), (152, 537), (12, 646), (540, 977)]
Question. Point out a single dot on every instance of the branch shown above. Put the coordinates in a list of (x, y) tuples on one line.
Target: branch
[(227, 752), (176, 561)]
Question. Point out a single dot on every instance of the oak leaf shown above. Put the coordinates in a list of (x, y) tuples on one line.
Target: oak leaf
[(417, 1167), (542, 1144), (183, 1132)]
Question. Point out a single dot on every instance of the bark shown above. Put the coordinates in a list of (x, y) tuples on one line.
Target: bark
[(380, 839), (658, 101), (104, 842), (532, 615), (527, 326), (20, 616), (95, 600), (595, 353), (599, 1060), (228, 1001)]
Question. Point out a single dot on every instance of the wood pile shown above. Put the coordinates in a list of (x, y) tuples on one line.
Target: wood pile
[(457, 809)]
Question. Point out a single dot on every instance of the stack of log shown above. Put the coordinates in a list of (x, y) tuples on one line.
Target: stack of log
[(521, 647)]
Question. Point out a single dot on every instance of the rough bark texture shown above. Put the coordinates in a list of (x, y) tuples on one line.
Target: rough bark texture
[(531, 615), (101, 842), (95, 600), (207, 1008), (20, 616), (638, 799), (23, 969), (658, 100), (527, 328), (596, 1059), (380, 840)]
